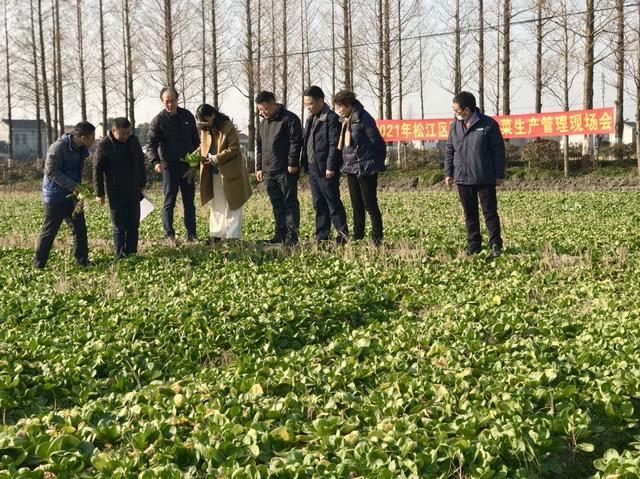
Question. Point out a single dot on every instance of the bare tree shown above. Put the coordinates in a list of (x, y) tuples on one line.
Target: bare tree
[(43, 75), (619, 125), (538, 80), (480, 55), (506, 58), (457, 83), (386, 14), (400, 73), (36, 80), (285, 57), (103, 68), (346, 44), (170, 72), (249, 70), (57, 40), (214, 49), (333, 48), (8, 80), (587, 146), (54, 67), (80, 39), (129, 64)]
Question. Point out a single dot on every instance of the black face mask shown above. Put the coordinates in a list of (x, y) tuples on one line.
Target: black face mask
[(204, 126)]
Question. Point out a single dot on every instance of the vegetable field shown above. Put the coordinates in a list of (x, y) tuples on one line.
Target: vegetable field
[(406, 361)]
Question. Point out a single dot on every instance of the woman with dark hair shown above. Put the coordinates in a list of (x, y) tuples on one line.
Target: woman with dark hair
[(224, 178), (363, 155)]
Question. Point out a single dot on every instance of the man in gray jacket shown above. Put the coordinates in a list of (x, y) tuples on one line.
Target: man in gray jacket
[(475, 160)]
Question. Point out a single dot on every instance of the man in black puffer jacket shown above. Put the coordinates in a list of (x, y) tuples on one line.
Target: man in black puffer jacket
[(120, 159), (172, 136), (475, 159)]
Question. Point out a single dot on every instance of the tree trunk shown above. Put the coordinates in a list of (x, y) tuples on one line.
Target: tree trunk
[(387, 59), (43, 75), (214, 42), (125, 78), (421, 69), (620, 75), (273, 47), (565, 81), (170, 70), (302, 72), (457, 80), (54, 67), (481, 56), (59, 67), (497, 104), (132, 96), (587, 145), (346, 45), (285, 53), (36, 81), (381, 60), (203, 64), (506, 59), (539, 56), (250, 76), (103, 70), (400, 75), (333, 49), (638, 94), (8, 73), (83, 85)]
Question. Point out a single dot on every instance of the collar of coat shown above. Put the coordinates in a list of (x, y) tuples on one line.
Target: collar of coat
[(356, 112)]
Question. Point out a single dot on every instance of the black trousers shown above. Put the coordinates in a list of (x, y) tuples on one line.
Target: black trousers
[(282, 189), (173, 180), (125, 221), (325, 194), (54, 215), (469, 195), (363, 191)]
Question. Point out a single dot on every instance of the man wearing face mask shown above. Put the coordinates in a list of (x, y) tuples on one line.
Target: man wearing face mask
[(475, 160)]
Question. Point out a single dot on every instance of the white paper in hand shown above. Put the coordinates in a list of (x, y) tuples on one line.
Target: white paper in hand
[(146, 207)]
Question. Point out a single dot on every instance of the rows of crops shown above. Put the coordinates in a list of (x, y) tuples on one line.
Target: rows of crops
[(405, 361)]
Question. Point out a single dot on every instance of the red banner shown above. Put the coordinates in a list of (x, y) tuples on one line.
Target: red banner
[(579, 122)]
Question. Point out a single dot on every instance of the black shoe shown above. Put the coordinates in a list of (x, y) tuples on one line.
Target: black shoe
[(342, 239), (84, 263), (290, 242), (170, 239), (496, 250), (192, 239), (472, 249), (210, 241)]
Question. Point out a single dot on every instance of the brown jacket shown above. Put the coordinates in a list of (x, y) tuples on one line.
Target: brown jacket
[(233, 172)]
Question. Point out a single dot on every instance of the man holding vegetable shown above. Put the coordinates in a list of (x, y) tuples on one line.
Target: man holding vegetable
[(61, 192), (172, 137), (120, 159)]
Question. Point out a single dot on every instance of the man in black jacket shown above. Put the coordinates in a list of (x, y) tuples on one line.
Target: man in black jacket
[(120, 159), (322, 159), (475, 159), (172, 136), (278, 163)]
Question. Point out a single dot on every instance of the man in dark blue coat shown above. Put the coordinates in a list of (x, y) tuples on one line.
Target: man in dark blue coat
[(62, 174), (322, 159), (475, 160)]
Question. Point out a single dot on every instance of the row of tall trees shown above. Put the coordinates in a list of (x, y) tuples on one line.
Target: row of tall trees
[(110, 54)]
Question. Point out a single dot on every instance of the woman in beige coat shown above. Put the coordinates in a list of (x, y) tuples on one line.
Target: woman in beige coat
[(224, 178)]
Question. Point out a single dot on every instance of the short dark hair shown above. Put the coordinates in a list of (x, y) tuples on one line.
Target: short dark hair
[(314, 92), (344, 97), (265, 97), (171, 89), (121, 123), (83, 128), (465, 100)]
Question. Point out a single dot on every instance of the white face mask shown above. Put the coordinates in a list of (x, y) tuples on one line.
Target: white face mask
[(460, 117)]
